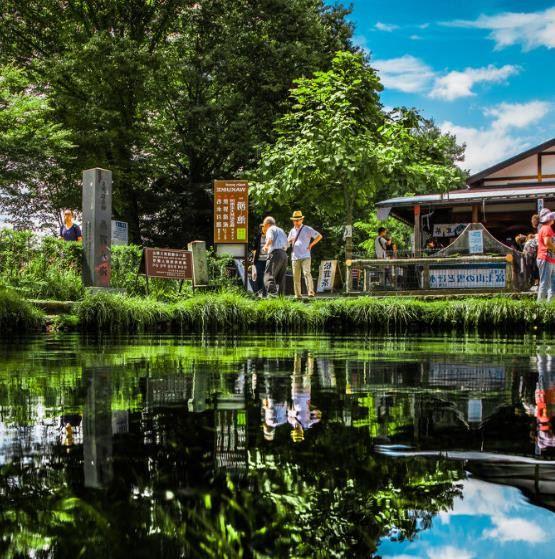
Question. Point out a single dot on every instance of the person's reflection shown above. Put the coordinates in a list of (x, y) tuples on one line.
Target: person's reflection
[(274, 404), (545, 404), (300, 414)]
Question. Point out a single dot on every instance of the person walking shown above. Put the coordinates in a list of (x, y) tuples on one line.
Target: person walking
[(276, 265), (546, 255), (302, 238), (70, 231)]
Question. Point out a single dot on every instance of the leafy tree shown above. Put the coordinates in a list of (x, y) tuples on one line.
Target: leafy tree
[(168, 94), (324, 157), (337, 151), (33, 148)]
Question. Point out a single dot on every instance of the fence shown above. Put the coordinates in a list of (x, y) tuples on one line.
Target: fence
[(485, 273)]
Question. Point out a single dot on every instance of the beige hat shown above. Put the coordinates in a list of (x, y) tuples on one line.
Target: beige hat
[(297, 215)]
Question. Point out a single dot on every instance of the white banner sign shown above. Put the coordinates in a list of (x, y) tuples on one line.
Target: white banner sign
[(120, 233), (475, 242), (326, 275), (468, 277), (448, 229)]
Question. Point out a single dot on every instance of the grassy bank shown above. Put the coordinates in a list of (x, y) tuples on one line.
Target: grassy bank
[(233, 312), (17, 314)]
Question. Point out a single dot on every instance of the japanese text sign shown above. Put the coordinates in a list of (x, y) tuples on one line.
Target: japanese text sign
[(231, 211), (168, 263)]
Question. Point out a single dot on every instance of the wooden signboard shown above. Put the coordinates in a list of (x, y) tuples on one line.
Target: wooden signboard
[(231, 212), (327, 276), (167, 263)]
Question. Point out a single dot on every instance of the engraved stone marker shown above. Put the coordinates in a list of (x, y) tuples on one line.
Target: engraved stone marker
[(97, 227)]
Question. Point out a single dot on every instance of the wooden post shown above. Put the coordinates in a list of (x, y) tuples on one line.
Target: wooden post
[(426, 276), (417, 232), (475, 214)]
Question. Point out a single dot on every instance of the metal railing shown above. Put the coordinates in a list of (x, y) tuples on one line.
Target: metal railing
[(487, 273)]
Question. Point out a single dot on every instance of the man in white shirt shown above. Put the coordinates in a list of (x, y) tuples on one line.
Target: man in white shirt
[(302, 238), (276, 265)]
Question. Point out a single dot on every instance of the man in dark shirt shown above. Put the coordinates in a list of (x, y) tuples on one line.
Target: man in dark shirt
[(70, 231)]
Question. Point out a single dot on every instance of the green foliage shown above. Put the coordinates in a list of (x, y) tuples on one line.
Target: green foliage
[(33, 148), (18, 315), (47, 268), (399, 232), (166, 94), (233, 312)]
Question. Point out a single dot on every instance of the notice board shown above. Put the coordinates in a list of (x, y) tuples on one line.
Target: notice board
[(167, 263), (231, 211)]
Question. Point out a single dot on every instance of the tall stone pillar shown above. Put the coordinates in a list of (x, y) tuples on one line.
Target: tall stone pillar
[(97, 227)]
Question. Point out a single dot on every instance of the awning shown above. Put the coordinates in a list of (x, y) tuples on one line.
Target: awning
[(472, 196)]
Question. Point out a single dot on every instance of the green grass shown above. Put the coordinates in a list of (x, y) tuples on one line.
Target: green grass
[(233, 312), (17, 314)]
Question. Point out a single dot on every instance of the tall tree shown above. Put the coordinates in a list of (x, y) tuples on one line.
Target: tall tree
[(337, 150), (33, 149), (169, 94)]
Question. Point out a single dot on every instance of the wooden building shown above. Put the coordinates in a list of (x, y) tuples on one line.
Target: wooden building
[(503, 198)]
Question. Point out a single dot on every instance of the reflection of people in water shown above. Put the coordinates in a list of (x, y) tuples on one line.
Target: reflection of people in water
[(544, 409), (274, 404), (300, 415)]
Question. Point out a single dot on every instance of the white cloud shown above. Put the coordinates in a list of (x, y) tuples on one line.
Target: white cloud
[(459, 84), (488, 145), (449, 552), (415, 37), (514, 530), (406, 73), (530, 30), (387, 27)]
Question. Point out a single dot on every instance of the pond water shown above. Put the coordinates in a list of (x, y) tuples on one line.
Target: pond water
[(294, 446)]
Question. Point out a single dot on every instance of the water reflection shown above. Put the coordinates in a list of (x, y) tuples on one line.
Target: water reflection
[(284, 447)]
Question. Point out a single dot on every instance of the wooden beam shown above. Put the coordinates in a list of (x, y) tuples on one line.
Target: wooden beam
[(539, 167), (475, 214)]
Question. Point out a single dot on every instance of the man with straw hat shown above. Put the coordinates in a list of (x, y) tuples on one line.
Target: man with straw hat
[(302, 238)]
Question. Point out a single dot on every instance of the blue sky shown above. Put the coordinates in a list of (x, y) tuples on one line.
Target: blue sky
[(491, 521), (482, 70)]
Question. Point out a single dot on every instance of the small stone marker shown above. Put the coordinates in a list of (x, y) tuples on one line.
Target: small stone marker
[(97, 218), (200, 262)]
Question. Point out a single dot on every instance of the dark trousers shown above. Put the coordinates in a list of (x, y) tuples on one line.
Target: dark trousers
[(274, 275), (258, 285)]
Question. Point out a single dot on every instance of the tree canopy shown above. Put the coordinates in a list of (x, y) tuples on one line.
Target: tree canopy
[(168, 94)]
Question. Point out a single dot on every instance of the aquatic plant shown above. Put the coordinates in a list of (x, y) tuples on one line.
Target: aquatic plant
[(16, 314), (234, 312)]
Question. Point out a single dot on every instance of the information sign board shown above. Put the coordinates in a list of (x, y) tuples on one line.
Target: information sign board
[(231, 211)]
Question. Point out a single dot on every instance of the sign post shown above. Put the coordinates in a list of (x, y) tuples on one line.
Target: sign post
[(231, 216), (97, 217), (167, 263)]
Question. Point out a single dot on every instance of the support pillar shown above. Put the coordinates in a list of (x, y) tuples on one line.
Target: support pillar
[(417, 232), (97, 227)]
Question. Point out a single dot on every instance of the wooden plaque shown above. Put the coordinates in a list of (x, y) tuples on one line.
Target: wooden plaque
[(231, 212), (167, 263)]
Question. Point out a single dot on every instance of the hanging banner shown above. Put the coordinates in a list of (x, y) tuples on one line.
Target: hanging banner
[(448, 229), (231, 212)]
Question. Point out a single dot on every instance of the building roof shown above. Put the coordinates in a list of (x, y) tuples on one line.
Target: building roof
[(458, 197), (476, 178)]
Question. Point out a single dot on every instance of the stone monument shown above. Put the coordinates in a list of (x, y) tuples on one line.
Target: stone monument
[(97, 227)]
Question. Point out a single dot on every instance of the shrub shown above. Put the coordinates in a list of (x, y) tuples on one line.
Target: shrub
[(16, 314)]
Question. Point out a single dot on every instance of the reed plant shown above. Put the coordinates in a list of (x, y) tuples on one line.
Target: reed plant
[(231, 311), (17, 314)]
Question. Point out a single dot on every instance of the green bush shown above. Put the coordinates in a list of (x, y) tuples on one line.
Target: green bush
[(16, 314)]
